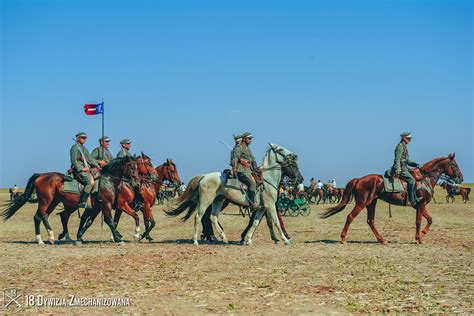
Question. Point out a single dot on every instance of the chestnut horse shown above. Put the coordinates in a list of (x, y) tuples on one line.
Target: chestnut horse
[(463, 192), (150, 182), (367, 190), (49, 189)]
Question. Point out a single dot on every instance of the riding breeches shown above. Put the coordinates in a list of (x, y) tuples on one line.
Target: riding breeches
[(406, 175), (247, 179), (86, 180)]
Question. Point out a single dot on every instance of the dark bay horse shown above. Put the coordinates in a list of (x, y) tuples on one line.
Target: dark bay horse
[(150, 181), (120, 195), (367, 190), (49, 190)]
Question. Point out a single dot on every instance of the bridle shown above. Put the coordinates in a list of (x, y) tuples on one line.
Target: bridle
[(456, 173), (287, 166), (151, 176)]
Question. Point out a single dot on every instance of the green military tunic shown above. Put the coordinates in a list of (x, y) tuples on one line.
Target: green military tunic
[(123, 153), (100, 153), (81, 159), (243, 152), (401, 163), (232, 154)]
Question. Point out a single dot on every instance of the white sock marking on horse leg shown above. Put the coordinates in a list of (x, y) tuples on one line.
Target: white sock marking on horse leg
[(39, 240), (51, 236)]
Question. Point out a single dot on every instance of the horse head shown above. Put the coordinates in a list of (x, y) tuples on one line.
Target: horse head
[(452, 169), (288, 162), (145, 167), (168, 171)]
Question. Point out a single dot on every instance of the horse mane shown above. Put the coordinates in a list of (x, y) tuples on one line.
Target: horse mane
[(115, 165), (430, 164)]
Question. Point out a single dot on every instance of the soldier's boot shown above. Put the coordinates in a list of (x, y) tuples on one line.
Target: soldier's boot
[(414, 200), (251, 197), (83, 200)]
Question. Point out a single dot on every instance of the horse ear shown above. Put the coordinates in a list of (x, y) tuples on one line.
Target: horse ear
[(450, 156), (143, 156), (454, 155)]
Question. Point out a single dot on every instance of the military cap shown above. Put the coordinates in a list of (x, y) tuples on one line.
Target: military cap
[(81, 134), (406, 134), (125, 141), (237, 137), (247, 135), (104, 138)]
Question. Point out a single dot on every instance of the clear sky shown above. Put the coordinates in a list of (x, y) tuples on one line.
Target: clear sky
[(334, 81)]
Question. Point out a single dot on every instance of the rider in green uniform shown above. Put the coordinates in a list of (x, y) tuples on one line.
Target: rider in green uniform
[(400, 167), (243, 163), (238, 141), (102, 152), (81, 162), (124, 151)]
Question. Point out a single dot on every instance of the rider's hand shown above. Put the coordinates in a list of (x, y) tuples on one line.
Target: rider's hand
[(85, 169), (234, 170), (102, 163)]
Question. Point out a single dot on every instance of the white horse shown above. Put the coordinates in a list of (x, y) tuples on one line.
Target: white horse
[(208, 189)]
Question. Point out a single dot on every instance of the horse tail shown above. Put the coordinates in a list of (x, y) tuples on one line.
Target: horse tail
[(188, 200), (16, 204), (346, 198)]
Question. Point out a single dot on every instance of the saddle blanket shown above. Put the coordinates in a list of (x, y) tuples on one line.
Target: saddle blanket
[(392, 184), (75, 187)]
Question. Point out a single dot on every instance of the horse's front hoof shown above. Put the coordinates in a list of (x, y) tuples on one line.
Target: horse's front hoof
[(79, 242), (137, 237), (419, 241), (195, 243), (383, 242), (287, 242), (276, 241), (343, 242), (61, 236)]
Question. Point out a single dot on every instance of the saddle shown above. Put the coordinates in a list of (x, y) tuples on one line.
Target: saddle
[(72, 184), (395, 184), (232, 182)]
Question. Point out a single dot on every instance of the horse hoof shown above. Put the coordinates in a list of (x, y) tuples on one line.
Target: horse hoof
[(41, 243), (287, 242), (343, 242), (78, 242), (61, 236), (137, 237), (225, 241), (383, 242), (276, 241), (195, 243)]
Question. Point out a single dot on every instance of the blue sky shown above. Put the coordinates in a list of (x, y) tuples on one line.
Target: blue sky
[(334, 81)]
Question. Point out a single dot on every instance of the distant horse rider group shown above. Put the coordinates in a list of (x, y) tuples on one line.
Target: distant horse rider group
[(131, 183)]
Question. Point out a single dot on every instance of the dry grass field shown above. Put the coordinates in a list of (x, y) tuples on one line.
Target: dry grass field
[(316, 274)]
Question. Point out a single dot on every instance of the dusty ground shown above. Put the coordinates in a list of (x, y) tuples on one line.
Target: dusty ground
[(314, 275)]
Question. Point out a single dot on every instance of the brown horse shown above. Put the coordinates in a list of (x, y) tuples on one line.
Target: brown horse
[(150, 181), (367, 190), (452, 191), (49, 190)]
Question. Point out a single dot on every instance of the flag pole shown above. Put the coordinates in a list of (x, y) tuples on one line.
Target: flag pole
[(102, 147)]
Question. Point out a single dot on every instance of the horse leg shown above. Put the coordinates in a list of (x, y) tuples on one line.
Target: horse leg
[(419, 215), (252, 226), (45, 221), (40, 212), (282, 224), (107, 211), (350, 218), (270, 228), (429, 220), (203, 204), (371, 221), (87, 219), (149, 222), (65, 215), (273, 213), (117, 215), (127, 209), (216, 208)]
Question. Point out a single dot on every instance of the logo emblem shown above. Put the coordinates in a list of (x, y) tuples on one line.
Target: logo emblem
[(12, 299)]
